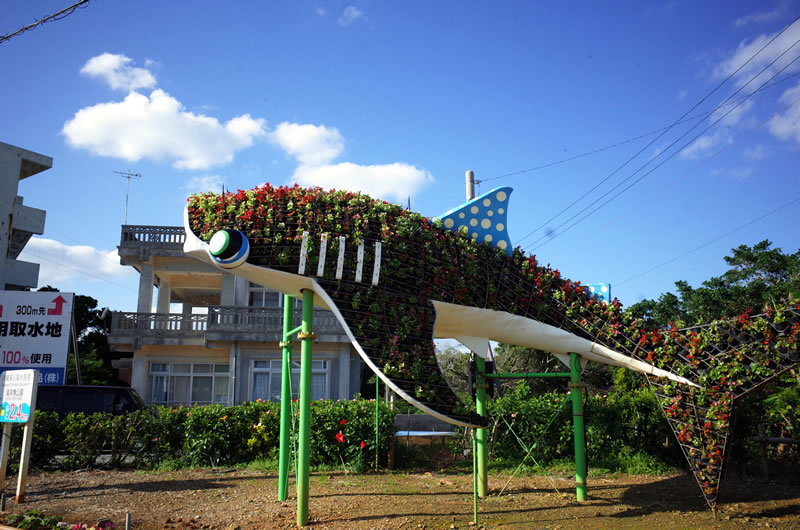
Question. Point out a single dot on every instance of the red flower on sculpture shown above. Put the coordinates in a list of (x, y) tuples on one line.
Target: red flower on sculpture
[(363, 445), (342, 422), (339, 437)]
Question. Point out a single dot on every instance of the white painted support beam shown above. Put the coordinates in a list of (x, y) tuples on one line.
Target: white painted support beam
[(376, 268), (301, 267), (360, 261), (323, 252), (340, 259)]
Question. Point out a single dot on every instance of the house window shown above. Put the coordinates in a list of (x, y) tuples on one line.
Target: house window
[(262, 297), (267, 380), (174, 384)]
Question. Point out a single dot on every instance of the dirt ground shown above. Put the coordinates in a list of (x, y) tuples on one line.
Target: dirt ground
[(240, 499)]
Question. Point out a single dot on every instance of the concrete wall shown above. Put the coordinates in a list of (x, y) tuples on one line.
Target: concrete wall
[(18, 222)]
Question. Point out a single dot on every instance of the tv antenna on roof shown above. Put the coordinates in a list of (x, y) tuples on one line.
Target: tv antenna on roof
[(127, 175)]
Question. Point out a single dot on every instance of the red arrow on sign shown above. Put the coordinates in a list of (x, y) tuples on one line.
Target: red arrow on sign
[(59, 301)]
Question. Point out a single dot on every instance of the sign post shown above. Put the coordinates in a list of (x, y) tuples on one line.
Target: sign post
[(18, 389), (34, 333)]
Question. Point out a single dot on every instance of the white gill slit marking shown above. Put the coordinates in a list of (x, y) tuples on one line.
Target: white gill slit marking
[(323, 251), (376, 269), (301, 268), (340, 260), (359, 261)]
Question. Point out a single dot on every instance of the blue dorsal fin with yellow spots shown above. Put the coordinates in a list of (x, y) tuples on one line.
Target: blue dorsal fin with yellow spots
[(483, 218)]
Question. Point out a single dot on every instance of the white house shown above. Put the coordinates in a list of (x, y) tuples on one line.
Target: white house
[(223, 347)]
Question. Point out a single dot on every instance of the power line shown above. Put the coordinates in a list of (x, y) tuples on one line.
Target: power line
[(55, 16), (670, 156), (60, 264), (688, 171), (23, 215), (602, 181), (629, 140), (648, 271)]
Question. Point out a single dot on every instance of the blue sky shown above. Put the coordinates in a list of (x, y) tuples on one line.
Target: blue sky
[(399, 99)]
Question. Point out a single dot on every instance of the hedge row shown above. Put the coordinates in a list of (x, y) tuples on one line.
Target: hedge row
[(342, 433), (621, 427)]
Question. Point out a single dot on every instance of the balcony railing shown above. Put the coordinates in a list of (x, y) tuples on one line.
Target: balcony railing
[(170, 237), (235, 321), (261, 319), (157, 324)]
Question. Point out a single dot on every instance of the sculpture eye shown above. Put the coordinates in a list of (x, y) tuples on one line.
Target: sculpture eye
[(228, 248)]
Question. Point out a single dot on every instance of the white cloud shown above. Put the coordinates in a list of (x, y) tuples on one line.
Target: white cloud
[(732, 113), (60, 263), (700, 146), (760, 17), (316, 147), (201, 184), (117, 72), (311, 145), (756, 152), (747, 49), (351, 14), (320, 12), (386, 181), (158, 128), (733, 173), (786, 125)]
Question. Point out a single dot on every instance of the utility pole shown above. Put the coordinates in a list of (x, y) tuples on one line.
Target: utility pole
[(127, 175), (481, 458), (470, 182)]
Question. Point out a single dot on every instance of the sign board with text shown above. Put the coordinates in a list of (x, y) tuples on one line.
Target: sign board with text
[(35, 333), (17, 391)]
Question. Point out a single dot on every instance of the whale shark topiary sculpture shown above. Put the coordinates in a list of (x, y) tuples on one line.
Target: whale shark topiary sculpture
[(396, 280)]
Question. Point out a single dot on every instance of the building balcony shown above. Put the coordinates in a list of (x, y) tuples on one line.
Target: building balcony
[(221, 324), (167, 237)]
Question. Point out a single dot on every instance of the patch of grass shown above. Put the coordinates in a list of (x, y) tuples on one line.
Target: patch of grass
[(262, 465), (640, 463), (625, 462), (170, 465)]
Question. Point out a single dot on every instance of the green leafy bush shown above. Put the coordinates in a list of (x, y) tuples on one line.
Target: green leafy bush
[(625, 431)]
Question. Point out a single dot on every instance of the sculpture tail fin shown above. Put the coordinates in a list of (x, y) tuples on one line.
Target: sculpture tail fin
[(727, 359)]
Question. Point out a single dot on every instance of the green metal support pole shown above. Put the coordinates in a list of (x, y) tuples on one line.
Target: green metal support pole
[(286, 401), (481, 436), (577, 425), (377, 416), (306, 337), (474, 479)]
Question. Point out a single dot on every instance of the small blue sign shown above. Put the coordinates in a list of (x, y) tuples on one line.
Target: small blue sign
[(600, 291)]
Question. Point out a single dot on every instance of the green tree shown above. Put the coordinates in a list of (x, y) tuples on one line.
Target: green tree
[(454, 364), (758, 276), (92, 338)]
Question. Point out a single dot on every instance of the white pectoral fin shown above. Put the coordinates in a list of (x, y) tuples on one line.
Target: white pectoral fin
[(477, 345), (454, 320), (637, 365)]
